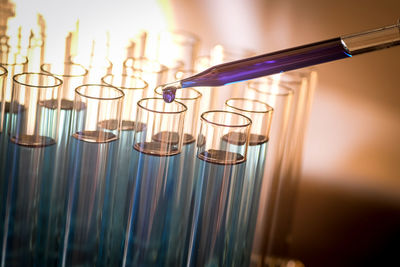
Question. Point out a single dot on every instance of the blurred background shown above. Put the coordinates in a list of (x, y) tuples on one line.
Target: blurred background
[(348, 206), (347, 211)]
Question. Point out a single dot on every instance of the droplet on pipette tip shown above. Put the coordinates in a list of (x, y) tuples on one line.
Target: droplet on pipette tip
[(169, 91), (169, 94)]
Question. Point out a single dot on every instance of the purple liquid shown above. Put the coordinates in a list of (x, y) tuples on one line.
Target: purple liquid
[(263, 65), (267, 64)]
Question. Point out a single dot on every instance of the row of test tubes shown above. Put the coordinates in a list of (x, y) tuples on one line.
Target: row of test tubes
[(98, 170)]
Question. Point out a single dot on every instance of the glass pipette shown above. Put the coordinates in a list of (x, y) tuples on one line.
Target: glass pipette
[(289, 59)]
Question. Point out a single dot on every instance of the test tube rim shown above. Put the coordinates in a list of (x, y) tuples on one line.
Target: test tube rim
[(288, 91), (4, 69), (122, 94), (85, 72), (198, 94), (183, 70), (161, 112), (163, 68), (179, 65), (146, 85), (303, 73), (26, 60), (225, 125), (268, 110), (38, 86)]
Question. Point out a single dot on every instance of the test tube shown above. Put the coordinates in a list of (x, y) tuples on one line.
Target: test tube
[(121, 186), (137, 45), (3, 184), (154, 236), (3, 79), (191, 99), (279, 97), (14, 65), (220, 167), (35, 52), (72, 75), (98, 68), (177, 46), (303, 84), (91, 159), (4, 48), (30, 161), (172, 69), (151, 71), (261, 116)]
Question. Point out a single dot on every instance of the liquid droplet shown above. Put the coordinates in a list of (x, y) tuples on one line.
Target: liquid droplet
[(169, 95)]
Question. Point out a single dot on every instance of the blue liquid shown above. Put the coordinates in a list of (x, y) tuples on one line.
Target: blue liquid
[(185, 201), (119, 192), (267, 64), (53, 221), (4, 139), (90, 165), (251, 190), (26, 204), (158, 220), (216, 210)]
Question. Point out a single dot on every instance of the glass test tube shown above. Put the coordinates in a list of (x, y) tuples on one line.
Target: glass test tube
[(279, 97), (261, 116), (177, 46), (121, 185), (4, 48), (30, 161), (17, 64), (3, 184), (191, 98), (172, 69), (137, 45), (303, 84), (35, 52), (91, 159), (151, 71), (14, 65), (97, 69), (72, 75), (220, 168), (154, 236), (3, 79)]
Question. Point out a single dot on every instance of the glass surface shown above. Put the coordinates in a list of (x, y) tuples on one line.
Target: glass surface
[(120, 186), (159, 210), (91, 159), (261, 117), (220, 167)]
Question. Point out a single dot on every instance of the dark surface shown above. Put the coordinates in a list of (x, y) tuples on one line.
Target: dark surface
[(338, 225)]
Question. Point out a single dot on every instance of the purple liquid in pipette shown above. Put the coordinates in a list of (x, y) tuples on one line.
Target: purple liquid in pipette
[(263, 65)]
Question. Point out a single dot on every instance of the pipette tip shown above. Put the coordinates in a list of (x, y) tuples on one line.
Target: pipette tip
[(169, 91)]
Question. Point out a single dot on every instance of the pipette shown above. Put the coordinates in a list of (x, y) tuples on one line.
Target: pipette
[(289, 59)]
